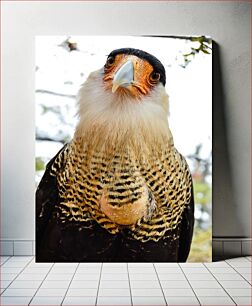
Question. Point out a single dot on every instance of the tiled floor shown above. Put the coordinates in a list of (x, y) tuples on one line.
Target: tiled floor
[(24, 282)]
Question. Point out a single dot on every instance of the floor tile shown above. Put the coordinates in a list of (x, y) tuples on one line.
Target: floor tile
[(82, 292), (86, 277), (239, 291), (3, 259), (234, 284), (21, 258), (51, 292), (174, 284), (86, 284), (178, 292), (79, 300), (19, 292), (146, 292), (14, 264), (104, 300), (93, 264), (25, 284), (166, 264), (55, 284), (204, 284), (248, 277), (148, 300), (36, 270), (47, 300), (8, 276), (114, 292), (8, 270), (237, 259), (29, 276), (144, 284), (114, 269), (115, 264), (217, 270), (189, 300), (63, 270), (229, 276), (88, 270), (172, 276), (146, 270), (243, 270), (220, 300), (5, 283), (114, 284), (169, 270), (140, 264), (200, 276), (209, 292), (241, 264), (15, 300), (243, 300), (138, 276), (197, 270), (66, 265), (56, 276), (112, 277), (39, 265)]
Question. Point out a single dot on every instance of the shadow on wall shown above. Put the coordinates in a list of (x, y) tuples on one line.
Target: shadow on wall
[(225, 214)]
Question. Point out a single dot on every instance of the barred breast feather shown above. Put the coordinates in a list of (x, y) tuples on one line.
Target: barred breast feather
[(147, 197)]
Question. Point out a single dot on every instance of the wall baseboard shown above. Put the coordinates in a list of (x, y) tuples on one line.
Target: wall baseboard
[(17, 247), (223, 247), (228, 247)]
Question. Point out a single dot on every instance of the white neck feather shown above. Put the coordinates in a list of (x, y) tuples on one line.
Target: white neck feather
[(105, 117)]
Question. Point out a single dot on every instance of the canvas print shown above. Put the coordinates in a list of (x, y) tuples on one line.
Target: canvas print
[(123, 149)]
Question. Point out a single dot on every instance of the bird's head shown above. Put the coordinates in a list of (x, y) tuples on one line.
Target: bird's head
[(133, 73), (125, 99)]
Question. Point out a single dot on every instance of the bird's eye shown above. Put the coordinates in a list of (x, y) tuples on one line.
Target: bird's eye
[(110, 62), (154, 77)]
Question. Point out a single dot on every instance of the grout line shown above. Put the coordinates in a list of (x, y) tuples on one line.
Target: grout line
[(16, 275), (160, 283), (9, 257), (96, 300), (129, 284), (220, 284), (70, 283), (246, 258), (238, 272), (41, 283), (189, 284)]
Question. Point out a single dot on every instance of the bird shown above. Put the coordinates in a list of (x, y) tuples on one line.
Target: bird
[(119, 191)]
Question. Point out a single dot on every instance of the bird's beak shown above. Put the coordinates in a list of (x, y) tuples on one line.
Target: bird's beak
[(124, 76)]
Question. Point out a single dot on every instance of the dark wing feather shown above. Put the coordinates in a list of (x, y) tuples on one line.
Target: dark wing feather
[(186, 232), (46, 199)]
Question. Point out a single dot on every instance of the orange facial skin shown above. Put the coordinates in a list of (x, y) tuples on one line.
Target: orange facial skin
[(143, 71)]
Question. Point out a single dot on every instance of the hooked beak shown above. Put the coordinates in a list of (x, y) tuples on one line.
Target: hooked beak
[(124, 76)]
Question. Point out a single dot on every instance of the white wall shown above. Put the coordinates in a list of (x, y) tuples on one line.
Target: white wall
[(229, 25)]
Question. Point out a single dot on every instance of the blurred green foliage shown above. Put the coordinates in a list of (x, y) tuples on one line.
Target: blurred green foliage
[(40, 165), (201, 249), (204, 44), (202, 193)]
